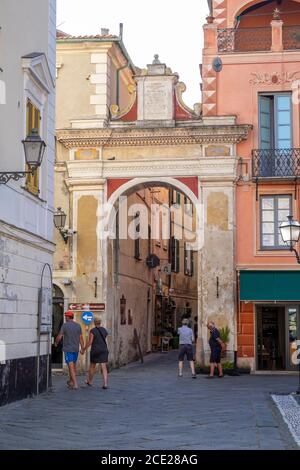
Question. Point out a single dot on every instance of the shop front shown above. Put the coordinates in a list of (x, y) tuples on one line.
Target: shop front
[(269, 319)]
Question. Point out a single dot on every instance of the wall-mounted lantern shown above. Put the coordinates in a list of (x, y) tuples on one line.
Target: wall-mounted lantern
[(34, 149), (59, 219)]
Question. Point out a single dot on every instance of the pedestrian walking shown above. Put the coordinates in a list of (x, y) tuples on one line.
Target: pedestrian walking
[(98, 354), (71, 334), (186, 339), (216, 346)]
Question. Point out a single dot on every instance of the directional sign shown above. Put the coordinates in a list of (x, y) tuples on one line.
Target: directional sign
[(79, 307), (87, 307), (87, 317)]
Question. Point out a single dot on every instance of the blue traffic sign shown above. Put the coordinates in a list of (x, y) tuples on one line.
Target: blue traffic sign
[(87, 317)]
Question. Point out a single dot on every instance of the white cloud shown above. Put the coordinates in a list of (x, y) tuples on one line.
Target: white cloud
[(170, 28)]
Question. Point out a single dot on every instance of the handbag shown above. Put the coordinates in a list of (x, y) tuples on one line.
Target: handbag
[(101, 334)]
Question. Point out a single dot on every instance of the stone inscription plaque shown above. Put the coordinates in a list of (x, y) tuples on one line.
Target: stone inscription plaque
[(157, 100)]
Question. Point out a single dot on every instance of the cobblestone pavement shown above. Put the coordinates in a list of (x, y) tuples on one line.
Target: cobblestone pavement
[(148, 407)]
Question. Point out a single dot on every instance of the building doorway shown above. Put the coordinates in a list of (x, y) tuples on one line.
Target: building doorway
[(278, 329), (271, 338), (57, 321)]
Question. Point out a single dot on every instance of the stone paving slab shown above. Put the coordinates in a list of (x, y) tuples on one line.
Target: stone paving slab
[(149, 407)]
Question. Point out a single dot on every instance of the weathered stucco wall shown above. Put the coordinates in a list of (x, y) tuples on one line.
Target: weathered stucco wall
[(218, 269)]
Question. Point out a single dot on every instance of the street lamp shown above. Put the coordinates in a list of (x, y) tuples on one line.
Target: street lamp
[(59, 219), (290, 232), (34, 149)]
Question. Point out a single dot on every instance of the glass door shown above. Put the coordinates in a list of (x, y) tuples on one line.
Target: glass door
[(293, 332)]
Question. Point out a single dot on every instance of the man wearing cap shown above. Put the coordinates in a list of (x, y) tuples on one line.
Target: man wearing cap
[(72, 334)]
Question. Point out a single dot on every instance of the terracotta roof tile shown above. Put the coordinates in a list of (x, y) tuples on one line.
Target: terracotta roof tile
[(63, 35)]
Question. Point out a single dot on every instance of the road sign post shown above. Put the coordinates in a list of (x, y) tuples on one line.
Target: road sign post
[(87, 318), (86, 352)]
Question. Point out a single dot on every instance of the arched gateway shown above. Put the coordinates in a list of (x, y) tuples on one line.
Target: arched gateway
[(150, 147)]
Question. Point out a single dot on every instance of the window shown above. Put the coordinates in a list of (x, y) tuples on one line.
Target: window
[(188, 261), (274, 210), (33, 121), (137, 241), (178, 198), (175, 255), (275, 121)]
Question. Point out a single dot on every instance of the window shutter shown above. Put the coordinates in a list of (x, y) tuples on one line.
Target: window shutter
[(283, 120), (265, 107), (177, 256)]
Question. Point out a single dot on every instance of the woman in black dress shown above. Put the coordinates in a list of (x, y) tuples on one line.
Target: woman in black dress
[(98, 354)]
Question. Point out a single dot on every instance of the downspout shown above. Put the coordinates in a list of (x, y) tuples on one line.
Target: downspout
[(118, 82)]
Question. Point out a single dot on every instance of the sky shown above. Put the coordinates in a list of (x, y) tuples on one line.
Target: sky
[(170, 28)]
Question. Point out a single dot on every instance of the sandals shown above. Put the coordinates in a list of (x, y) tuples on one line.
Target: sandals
[(88, 383)]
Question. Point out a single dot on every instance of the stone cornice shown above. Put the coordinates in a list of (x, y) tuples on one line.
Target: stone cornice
[(74, 138), (208, 169)]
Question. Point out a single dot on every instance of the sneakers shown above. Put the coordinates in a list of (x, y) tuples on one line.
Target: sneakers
[(180, 374)]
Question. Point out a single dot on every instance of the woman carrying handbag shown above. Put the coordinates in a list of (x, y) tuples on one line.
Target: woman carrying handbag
[(98, 354)]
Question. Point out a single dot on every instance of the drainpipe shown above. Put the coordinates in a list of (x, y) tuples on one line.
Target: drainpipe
[(118, 82)]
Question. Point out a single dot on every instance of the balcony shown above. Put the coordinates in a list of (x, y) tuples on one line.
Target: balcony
[(276, 164), (244, 39), (256, 39), (291, 37)]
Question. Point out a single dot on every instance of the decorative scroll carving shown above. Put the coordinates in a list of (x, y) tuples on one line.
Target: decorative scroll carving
[(115, 111), (180, 89), (274, 78)]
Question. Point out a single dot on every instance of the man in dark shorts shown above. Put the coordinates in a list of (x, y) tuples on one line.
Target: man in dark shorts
[(99, 353), (216, 346), (186, 339), (72, 334)]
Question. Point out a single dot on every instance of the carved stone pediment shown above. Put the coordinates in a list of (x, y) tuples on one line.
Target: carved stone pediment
[(36, 65)]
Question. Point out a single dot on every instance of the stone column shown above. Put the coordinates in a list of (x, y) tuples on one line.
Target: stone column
[(277, 41), (210, 38)]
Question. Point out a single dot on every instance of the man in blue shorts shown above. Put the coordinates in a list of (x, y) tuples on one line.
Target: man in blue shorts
[(72, 334)]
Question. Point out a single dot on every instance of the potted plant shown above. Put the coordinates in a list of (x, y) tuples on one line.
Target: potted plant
[(225, 338)]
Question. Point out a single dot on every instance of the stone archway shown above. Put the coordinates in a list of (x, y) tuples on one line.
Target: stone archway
[(115, 298)]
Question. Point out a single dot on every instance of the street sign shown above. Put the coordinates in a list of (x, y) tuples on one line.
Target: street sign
[(87, 317), (95, 307), (45, 310)]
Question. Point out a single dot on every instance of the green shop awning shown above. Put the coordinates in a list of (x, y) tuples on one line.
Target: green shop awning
[(282, 286)]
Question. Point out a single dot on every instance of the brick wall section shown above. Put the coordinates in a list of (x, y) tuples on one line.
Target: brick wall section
[(246, 330)]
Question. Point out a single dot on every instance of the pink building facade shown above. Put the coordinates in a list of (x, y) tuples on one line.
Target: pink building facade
[(251, 69)]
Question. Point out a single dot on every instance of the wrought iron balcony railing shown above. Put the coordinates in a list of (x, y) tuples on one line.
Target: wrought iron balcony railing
[(276, 163), (291, 37), (245, 39)]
